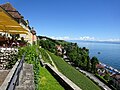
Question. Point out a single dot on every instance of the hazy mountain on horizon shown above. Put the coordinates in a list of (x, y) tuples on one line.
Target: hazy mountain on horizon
[(111, 42)]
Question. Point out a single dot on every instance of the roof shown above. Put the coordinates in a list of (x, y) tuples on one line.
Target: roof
[(15, 14), (33, 31), (11, 10), (100, 66), (116, 76), (9, 25)]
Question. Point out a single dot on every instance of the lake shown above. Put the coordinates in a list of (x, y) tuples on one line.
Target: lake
[(107, 53)]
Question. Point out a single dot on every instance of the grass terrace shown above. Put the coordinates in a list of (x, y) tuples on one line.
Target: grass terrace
[(78, 78), (47, 81), (45, 57)]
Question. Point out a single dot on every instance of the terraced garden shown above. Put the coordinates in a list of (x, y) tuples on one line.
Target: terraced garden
[(42, 78), (78, 78), (45, 81)]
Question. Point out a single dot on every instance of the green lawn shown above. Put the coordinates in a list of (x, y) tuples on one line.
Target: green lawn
[(45, 57), (47, 81), (78, 78)]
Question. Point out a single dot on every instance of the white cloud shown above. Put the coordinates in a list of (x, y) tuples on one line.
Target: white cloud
[(61, 38), (86, 38), (68, 38)]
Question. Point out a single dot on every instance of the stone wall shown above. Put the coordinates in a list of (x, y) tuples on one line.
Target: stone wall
[(26, 80)]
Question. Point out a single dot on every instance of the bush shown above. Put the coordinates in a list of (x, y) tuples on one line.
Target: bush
[(32, 57)]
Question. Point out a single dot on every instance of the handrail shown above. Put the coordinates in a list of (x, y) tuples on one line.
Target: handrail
[(13, 80)]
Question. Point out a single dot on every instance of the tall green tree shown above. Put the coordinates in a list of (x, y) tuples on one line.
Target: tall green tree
[(94, 61), (88, 64), (107, 76)]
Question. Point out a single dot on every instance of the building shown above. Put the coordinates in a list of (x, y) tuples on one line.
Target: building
[(100, 69), (116, 81), (31, 36), (34, 37)]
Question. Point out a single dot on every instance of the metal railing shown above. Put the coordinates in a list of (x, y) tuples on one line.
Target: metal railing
[(15, 77)]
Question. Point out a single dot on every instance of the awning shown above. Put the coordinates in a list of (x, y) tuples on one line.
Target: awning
[(9, 25)]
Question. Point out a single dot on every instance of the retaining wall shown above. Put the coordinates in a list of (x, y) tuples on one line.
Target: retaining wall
[(63, 80)]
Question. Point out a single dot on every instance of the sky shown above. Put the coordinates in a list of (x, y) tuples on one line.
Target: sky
[(72, 19)]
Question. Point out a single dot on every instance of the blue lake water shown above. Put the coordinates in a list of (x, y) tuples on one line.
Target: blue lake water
[(109, 53)]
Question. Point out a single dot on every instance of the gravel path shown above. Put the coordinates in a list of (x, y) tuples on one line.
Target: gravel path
[(52, 61)]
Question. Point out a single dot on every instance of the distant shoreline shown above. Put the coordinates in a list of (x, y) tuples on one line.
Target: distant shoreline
[(109, 42), (97, 42)]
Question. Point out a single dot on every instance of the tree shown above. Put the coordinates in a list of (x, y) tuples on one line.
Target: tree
[(48, 45), (94, 61), (107, 76), (73, 55), (88, 63), (78, 61)]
